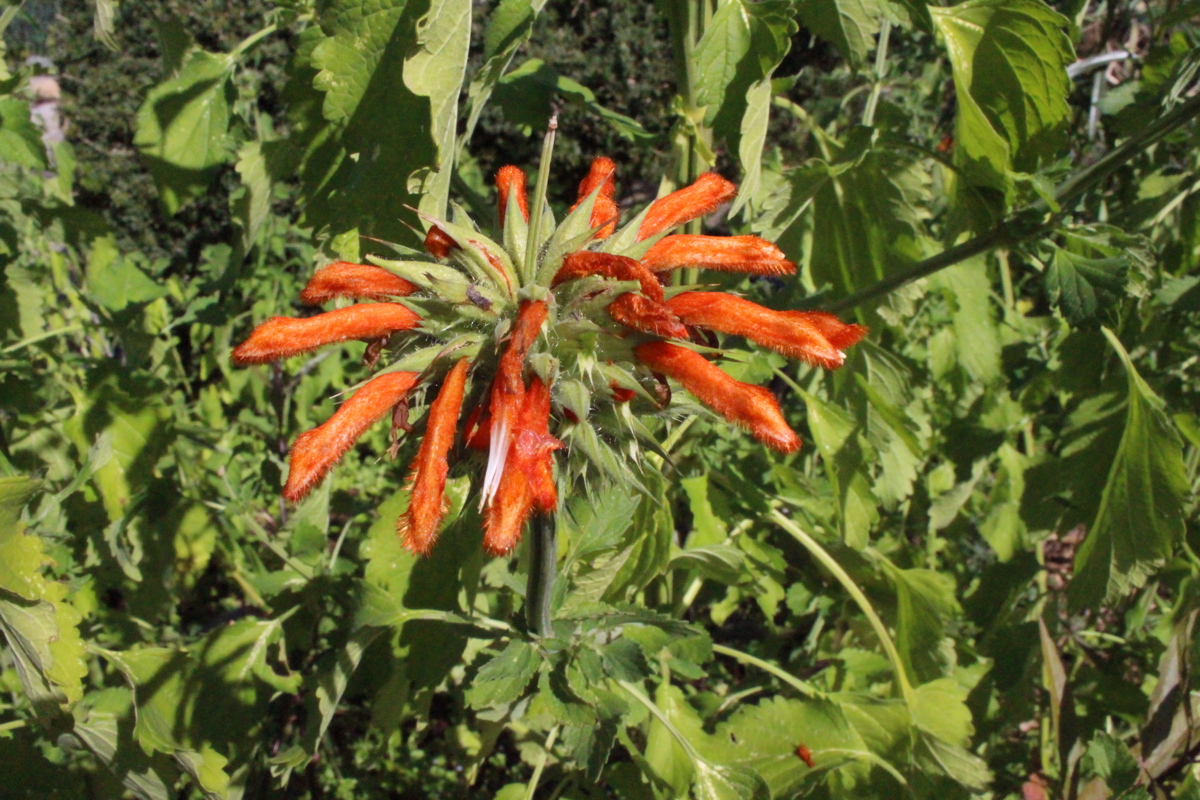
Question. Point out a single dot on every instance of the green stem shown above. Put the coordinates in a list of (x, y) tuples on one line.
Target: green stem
[(852, 589), (1009, 230), (804, 688), (252, 40), (881, 49), (537, 771), (543, 562), (536, 209)]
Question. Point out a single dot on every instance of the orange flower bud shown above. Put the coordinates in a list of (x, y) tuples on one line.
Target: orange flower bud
[(645, 315), (748, 254), (608, 265), (752, 407), (604, 211), (507, 179), (427, 505), (620, 394), (792, 333), (708, 193), (438, 243), (360, 281), (603, 174), (315, 452), (280, 337), (478, 430)]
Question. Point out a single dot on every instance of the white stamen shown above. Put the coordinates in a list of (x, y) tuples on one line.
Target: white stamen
[(497, 454)]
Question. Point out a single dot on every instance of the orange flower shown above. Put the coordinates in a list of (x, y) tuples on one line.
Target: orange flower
[(438, 243), (528, 478), (705, 195), (604, 210), (427, 505), (748, 254), (360, 281), (316, 451), (280, 337), (839, 334), (645, 315), (508, 391), (752, 407), (509, 179), (793, 333), (622, 268)]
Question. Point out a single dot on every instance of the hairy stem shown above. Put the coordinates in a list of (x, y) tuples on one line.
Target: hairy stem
[(543, 554)]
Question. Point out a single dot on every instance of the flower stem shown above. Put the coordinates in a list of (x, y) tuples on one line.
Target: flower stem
[(539, 591), (537, 207)]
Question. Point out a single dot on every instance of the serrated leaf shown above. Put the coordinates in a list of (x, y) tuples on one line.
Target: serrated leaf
[(20, 554), (1009, 60), (183, 127), (925, 601), (254, 205), (1140, 518), (835, 433), (849, 25), (504, 678), (1081, 287), (115, 281), (720, 562)]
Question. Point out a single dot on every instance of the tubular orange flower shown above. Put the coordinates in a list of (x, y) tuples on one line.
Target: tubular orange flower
[(748, 254), (438, 243), (532, 446), (752, 407), (792, 333), (315, 452), (705, 195), (360, 281), (280, 337), (622, 268), (508, 179), (418, 527), (509, 390), (505, 518), (604, 210), (645, 315)]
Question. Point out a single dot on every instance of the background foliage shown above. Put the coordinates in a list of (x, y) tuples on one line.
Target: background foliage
[(979, 579)]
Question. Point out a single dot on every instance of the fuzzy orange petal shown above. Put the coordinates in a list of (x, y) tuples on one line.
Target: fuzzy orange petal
[(478, 429), (789, 332), (748, 254), (315, 452), (752, 407), (419, 526), (438, 243), (508, 179), (359, 281), (533, 446), (602, 173), (504, 520), (840, 334), (280, 337), (705, 195), (605, 212), (608, 265), (645, 315)]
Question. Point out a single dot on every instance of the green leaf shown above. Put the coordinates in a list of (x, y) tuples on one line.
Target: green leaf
[(849, 25), (1081, 287), (725, 42), (968, 289), (925, 602), (254, 205), (20, 554), (1009, 60), (114, 281), (953, 761), (183, 127), (503, 678), (1140, 519), (526, 95), (836, 435), (20, 140), (436, 70), (509, 26), (720, 562), (941, 709), (766, 736)]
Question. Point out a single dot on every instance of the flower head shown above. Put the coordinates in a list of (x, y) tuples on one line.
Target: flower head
[(546, 344)]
